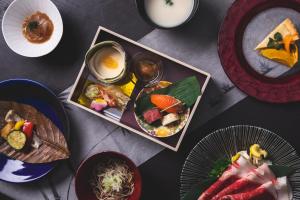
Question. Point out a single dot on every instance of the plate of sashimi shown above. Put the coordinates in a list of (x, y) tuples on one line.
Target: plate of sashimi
[(163, 109), (241, 163)]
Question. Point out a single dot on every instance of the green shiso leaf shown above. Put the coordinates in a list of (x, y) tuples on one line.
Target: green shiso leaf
[(280, 171), (219, 167), (186, 90)]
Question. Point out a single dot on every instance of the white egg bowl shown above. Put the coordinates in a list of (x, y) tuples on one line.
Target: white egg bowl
[(13, 20)]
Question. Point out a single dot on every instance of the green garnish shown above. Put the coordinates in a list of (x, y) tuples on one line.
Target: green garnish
[(219, 167), (276, 43), (278, 37), (32, 25), (169, 2)]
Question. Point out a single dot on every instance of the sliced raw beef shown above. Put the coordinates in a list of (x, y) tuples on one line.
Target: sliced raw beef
[(248, 182), (234, 172), (264, 192)]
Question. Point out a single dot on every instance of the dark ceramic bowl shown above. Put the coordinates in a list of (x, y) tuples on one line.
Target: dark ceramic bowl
[(84, 173), (141, 8), (43, 99)]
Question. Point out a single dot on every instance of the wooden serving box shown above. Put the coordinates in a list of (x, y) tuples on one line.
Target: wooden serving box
[(174, 70)]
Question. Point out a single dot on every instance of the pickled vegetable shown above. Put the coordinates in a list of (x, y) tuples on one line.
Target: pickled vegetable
[(16, 139), (7, 129)]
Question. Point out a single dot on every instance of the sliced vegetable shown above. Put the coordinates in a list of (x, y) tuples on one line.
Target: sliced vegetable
[(19, 125), (7, 129), (16, 139), (28, 129)]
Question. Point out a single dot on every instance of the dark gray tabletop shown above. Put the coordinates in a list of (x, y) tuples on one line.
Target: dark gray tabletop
[(81, 18)]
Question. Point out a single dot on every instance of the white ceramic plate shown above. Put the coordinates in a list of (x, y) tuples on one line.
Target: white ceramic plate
[(12, 27)]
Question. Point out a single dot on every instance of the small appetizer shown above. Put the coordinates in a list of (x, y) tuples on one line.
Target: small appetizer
[(163, 109), (29, 136), (37, 28), (248, 177), (107, 62), (99, 97), (112, 179), (280, 45)]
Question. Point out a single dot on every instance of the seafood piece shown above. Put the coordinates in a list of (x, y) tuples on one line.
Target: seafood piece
[(171, 104), (17, 139), (169, 118), (113, 95)]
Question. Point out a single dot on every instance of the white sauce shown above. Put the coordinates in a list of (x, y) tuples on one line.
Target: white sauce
[(108, 62), (166, 15)]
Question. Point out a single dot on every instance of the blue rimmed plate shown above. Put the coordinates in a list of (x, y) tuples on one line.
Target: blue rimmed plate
[(43, 99), (226, 143)]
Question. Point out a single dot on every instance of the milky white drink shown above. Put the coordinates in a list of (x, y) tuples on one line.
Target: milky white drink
[(169, 13)]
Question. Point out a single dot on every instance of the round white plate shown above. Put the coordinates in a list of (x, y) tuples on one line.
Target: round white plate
[(12, 27)]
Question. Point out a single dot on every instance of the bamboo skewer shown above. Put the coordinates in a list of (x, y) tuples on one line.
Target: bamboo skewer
[(175, 104)]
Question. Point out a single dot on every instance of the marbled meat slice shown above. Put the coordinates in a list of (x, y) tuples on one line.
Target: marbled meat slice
[(264, 192), (248, 182), (234, 172)]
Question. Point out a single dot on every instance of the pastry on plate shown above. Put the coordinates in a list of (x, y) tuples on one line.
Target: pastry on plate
[(280, 45)]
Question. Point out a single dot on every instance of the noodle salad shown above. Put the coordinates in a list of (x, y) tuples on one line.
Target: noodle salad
[(112, 180)]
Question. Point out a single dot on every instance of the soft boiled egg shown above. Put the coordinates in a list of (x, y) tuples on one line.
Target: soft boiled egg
[(107, 63)]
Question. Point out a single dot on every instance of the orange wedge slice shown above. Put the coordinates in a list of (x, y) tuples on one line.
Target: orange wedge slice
[(281, 56), (287, 41)]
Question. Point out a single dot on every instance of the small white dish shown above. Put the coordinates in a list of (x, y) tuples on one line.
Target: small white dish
[(13, 20)]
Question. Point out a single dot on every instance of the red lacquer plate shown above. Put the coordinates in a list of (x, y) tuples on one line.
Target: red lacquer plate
[(274, 90), (85, 170)]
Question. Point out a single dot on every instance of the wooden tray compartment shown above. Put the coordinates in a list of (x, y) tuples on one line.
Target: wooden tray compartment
[(174, 70)]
